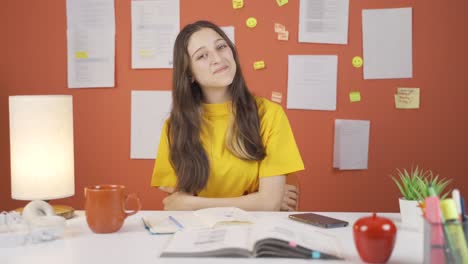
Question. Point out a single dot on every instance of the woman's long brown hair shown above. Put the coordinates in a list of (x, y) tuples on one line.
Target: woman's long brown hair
[(187, 155)]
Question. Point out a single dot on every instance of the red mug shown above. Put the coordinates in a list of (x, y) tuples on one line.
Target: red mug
[(105, 207)]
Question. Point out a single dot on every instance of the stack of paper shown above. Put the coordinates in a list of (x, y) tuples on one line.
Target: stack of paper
[(351, 145)]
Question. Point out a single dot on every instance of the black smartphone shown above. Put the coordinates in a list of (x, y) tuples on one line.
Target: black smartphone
[(318, 220)]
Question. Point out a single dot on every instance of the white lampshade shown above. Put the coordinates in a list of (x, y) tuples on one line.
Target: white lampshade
[(41, 147)]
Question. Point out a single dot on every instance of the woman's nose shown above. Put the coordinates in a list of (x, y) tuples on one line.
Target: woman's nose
[(215, 57)]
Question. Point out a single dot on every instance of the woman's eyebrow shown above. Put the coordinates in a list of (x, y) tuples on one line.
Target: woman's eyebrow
[(202, 47)]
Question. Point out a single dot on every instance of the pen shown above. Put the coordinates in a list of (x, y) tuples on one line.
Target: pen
[(456, 198), (463, 212), (177, 223)]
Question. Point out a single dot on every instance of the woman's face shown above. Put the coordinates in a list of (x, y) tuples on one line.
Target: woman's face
[(211, 60)]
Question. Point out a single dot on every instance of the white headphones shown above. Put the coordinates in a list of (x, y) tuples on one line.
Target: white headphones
[(37, 223), (35, 209)]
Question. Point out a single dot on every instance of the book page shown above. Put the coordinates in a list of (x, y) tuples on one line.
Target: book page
[(284, 230), (226, 241)]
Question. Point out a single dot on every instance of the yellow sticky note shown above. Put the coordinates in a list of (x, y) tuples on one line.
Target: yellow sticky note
[(407, 98), (283, 35), (281, 2), (355, 96), (259, 65), (276, 97), (357, 62), (279, 28), (251, 22), (81, 55), (236, 4)]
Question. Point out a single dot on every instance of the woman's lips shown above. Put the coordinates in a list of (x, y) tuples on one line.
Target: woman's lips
[(220, 69)]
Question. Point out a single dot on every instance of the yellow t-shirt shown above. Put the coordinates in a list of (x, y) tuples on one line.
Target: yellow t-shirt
[(229, 175)]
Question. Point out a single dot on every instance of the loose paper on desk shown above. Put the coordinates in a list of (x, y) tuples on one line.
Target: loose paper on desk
[(155, 25), (312, 82), (149, 110), (387, 43), (351, 144), (90, 43), (407, 98), (323, 21)]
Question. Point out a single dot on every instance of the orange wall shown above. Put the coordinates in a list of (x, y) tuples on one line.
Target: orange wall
[(33, 61)]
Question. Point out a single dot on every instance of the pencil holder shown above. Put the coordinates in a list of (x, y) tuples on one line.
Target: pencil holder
[(445, 243)]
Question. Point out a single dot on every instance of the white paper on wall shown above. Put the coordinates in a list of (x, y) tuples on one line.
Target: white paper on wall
[(351, 144), (323, 21), (387, 43), (312, 82), (155, 25), (90, 43), (229, 30), (149, 110)]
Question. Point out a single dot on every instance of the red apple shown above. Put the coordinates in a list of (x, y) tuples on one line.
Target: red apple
[(374, 238)]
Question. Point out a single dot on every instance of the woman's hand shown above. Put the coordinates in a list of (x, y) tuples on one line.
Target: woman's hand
[(290, 196), (179, 201)]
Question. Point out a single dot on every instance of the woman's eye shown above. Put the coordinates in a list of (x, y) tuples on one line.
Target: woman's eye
[(202, 56), (222, 46)]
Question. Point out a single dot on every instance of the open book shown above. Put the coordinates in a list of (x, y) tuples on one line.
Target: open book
[(169, 223), (265, 239)]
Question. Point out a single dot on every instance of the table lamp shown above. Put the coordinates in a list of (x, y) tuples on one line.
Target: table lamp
[(41, 148)]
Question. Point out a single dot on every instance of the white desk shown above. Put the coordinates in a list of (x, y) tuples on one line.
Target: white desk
[(133, 244)]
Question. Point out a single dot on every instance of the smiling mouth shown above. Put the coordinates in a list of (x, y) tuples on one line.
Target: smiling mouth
[(220, 70)]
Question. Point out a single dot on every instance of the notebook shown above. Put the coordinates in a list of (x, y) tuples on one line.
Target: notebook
[(169, 222)]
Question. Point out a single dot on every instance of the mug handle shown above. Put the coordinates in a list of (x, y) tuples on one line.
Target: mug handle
[(133, 196)]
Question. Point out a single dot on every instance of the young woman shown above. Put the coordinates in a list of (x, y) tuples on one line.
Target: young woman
[(221, 146)]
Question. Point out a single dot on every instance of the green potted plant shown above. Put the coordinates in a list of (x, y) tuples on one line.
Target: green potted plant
[(414, 188)]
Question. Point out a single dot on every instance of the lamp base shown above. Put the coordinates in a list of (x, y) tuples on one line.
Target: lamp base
[(64, 211)]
